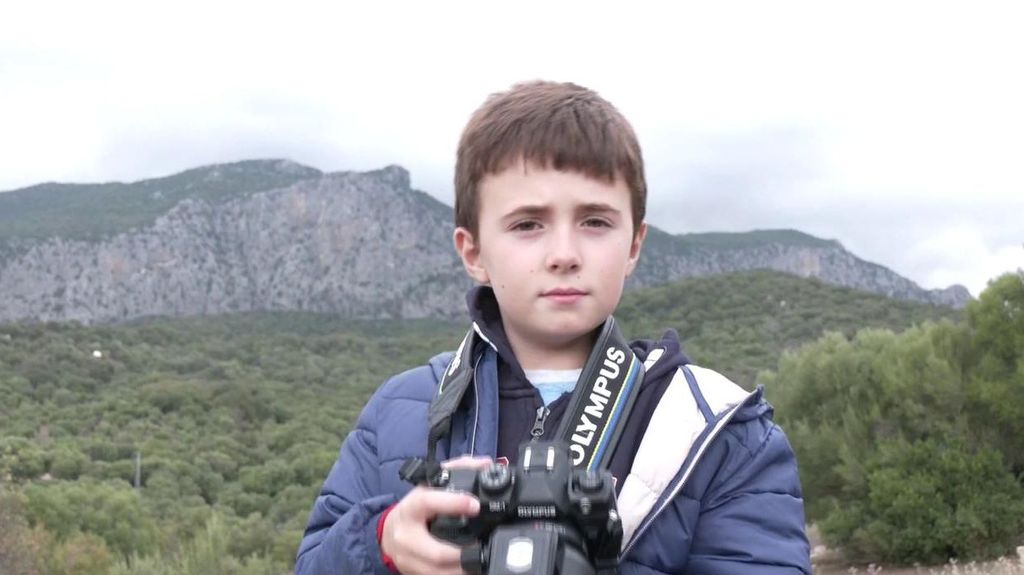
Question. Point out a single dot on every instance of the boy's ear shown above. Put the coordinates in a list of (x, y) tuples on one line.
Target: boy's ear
[(634, 248), (469, 250)]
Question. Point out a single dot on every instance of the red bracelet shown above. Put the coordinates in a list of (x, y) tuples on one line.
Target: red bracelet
[(380, 535)]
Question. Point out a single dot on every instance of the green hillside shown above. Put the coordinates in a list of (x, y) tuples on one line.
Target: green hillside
[(238, 418), (92, 211), (755, 238), (740, 323), (659, 240)]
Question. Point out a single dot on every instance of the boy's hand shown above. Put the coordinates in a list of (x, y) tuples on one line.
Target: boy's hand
[(406, 539)]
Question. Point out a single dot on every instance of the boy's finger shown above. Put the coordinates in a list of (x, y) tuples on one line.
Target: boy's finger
[(468, 462), (436, 555), (417, 567), (430, 503)]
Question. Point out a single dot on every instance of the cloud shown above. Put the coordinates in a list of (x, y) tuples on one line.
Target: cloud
[(960, 254), (895, 129), (779, 178)]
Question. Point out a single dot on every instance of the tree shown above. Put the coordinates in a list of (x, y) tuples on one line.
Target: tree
[(909, 444), (67, 462), (21, 549), (927, 501), (21, 459), (81, 554), (208, 552), (111, 511), (996, 385), (839, 398)]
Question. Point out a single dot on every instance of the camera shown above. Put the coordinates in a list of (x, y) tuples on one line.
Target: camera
[(541, 516)]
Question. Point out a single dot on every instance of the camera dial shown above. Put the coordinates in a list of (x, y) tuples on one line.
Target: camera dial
[(495, 479)]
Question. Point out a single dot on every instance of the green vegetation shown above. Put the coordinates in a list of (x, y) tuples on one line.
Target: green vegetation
[(662, 242), (911, 445), (237, 419), (741, 323), (94, 211), (755, 238), (234, 417)]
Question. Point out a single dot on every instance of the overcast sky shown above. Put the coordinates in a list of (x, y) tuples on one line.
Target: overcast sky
[(894, 127)]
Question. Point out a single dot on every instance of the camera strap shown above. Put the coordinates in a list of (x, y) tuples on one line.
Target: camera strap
[(457, 378), (598, 409), (602, 400)]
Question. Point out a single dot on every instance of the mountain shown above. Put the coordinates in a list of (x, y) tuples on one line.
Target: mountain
[(671, 257), (275, 235)]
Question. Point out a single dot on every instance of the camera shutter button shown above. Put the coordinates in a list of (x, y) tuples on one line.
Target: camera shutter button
[(589, 482)]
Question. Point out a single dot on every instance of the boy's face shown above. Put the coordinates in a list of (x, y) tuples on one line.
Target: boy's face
[(556, 247)]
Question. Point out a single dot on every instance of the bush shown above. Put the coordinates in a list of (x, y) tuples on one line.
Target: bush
[(67, 463), (839, 399), (21, 459), (110, 511), (911, 445), (80, 554), (996, 364), (205, 554), (926, 502), (21, 549)]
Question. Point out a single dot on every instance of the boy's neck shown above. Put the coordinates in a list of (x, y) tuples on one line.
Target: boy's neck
[(572, 355)]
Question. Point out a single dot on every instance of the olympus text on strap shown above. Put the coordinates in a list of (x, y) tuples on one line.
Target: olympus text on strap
[(602, 400)]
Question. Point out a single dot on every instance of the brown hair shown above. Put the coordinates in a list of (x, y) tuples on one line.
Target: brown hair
[(552, 125)]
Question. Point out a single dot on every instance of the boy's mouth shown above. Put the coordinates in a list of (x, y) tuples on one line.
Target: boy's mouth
[(563, 295), (564, 291)]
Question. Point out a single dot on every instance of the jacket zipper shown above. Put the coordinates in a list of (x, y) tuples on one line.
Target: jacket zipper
[(538, 424)]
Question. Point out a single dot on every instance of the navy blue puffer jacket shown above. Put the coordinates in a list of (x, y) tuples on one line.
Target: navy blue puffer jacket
[(710, 487)]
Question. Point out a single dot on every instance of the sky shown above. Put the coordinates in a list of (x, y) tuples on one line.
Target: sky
[(896, 128)]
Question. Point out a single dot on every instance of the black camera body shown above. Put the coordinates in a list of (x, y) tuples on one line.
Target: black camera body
[(541, 516)]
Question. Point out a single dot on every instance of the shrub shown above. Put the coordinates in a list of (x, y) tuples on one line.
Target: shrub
[(928, 501)]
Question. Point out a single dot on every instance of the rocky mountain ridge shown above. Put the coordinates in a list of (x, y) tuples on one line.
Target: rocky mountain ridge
[(274, 235)]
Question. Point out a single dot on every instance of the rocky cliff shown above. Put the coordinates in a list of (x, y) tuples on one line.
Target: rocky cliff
[(273, 235)]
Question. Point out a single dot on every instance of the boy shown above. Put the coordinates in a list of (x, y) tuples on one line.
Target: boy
[(550, 200)]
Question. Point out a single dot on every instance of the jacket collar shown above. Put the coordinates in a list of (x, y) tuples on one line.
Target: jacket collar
[(486, 315)]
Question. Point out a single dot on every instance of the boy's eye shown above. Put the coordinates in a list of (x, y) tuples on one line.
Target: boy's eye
[(525, 226), (597, 223)]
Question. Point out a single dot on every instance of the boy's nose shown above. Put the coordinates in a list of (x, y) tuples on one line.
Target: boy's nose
[(563, 254)]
